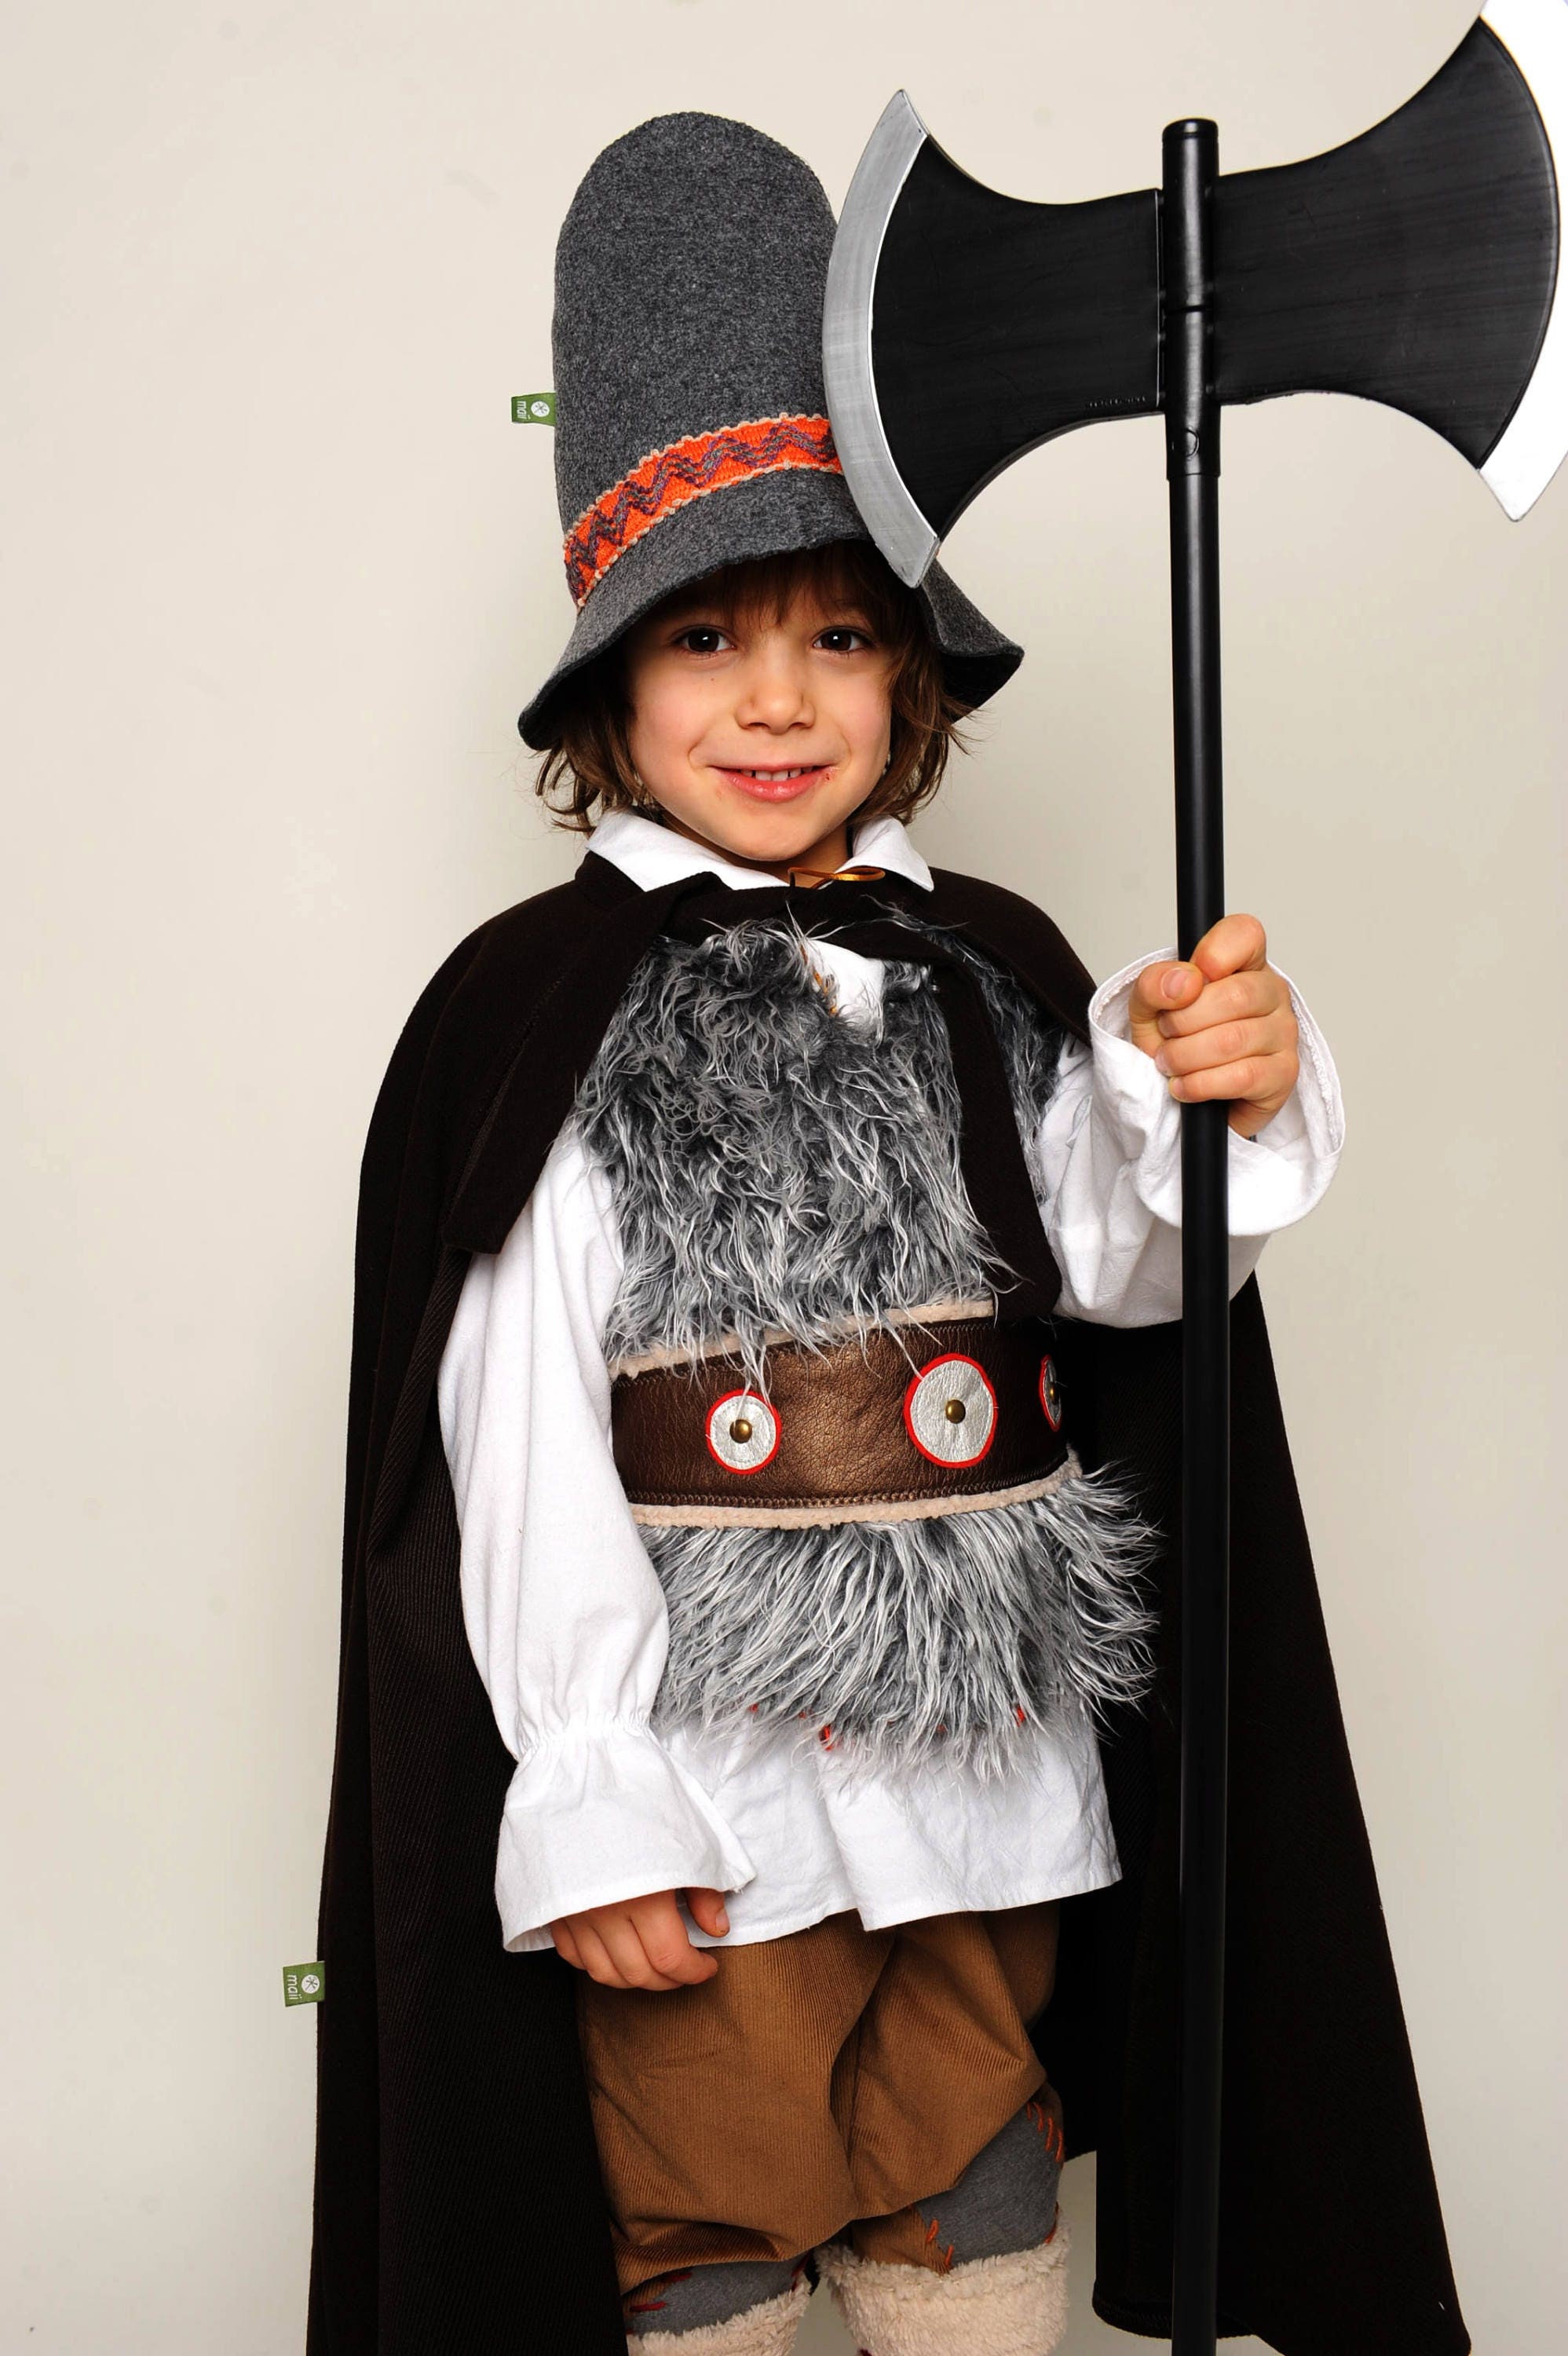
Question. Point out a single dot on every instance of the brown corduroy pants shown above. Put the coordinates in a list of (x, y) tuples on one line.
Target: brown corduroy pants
[(825, 2081)]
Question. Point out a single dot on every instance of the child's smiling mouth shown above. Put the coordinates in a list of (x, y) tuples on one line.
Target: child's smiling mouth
[(777, 784)]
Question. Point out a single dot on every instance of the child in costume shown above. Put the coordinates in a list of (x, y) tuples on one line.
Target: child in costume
[(764, 1217), (830, 1675)]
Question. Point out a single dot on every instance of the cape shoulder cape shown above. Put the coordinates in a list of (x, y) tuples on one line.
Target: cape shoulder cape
[(457, 2209)]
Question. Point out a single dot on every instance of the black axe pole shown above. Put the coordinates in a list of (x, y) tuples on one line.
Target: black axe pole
[(1191, 157)]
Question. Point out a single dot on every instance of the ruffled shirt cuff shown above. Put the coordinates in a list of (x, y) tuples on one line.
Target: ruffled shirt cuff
[(1276, 1177), (600, 1813)]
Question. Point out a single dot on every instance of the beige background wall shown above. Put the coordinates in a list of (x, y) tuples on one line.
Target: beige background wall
[(278, 574)]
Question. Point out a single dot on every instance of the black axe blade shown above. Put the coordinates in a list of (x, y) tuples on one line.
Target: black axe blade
[(1417, 265)]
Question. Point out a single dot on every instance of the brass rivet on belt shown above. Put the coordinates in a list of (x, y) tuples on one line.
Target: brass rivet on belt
[(955, 1410), (740, 1430)]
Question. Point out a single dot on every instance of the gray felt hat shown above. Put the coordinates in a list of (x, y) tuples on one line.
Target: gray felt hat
[(691, 420)]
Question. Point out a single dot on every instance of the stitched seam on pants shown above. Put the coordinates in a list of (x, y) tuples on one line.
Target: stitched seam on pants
[(851, 2133), (853, 2105)]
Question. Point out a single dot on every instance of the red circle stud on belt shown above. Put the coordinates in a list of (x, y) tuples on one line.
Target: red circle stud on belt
[(950, 1411), (742, 1432)]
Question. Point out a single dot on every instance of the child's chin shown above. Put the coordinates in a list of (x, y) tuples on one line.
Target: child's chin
[(771, 833), (773, 846)]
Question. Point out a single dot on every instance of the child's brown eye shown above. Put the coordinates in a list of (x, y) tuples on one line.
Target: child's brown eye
[(837, 639), (702, 638)]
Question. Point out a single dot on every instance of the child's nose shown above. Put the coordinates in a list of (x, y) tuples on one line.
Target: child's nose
[(774, 693)]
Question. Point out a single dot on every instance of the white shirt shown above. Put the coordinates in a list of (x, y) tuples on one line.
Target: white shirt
[(564, 1611)]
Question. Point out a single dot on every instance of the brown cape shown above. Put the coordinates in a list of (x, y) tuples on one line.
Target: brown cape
[(458, 2209)]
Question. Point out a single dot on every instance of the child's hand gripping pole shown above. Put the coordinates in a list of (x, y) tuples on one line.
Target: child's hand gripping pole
[(1220, 1024)]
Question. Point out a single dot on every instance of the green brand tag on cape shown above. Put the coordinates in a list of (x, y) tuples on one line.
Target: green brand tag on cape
[(533, 408), (304, 1983)]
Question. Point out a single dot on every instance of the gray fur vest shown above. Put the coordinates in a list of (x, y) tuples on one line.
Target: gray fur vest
[(777, 1167)]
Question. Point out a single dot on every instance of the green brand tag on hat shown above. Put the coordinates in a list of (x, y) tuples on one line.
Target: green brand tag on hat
[(304, 1983), (533, 408)]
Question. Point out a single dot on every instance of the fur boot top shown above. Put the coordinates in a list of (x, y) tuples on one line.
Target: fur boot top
[(1012, 2306)]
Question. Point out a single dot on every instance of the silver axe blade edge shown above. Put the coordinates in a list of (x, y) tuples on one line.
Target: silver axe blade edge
[(876, 487), (1535, 441)]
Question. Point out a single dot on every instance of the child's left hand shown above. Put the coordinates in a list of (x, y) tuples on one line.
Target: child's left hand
[(1225, 1029)]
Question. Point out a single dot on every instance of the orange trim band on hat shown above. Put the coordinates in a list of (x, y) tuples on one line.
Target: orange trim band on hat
[(668, 479)]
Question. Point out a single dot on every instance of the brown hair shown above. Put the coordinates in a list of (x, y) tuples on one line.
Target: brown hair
[(587, 768)]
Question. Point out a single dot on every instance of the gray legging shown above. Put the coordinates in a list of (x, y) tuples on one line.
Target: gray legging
[(1004, 2200)]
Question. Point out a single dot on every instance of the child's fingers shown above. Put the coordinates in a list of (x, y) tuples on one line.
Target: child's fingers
[(1262, 1081), (1227, 1043), (708, 1910), (668, 1948), (565, 1943), (1171, 996), (596, 1951), (1158, 991), (594, 1957), (617, 1927), (642, 1943), (1167, 982), (1259, 992), (1232, 945)]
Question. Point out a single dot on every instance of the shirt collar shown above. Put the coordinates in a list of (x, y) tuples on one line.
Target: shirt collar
[(652, 854)]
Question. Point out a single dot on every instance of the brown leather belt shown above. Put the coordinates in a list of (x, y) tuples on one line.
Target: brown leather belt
[(929, 1418)]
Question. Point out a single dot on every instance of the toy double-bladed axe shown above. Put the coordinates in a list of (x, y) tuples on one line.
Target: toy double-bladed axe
[(1417, 265)]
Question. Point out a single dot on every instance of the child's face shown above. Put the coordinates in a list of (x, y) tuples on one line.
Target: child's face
[(719, 695)]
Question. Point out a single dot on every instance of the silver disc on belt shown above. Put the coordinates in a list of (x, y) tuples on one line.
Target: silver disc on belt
[(742, 1431), (950, 1411)]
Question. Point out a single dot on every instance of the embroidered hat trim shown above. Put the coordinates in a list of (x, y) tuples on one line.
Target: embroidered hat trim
[(668, 479)]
